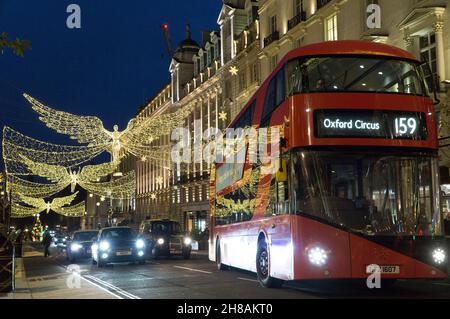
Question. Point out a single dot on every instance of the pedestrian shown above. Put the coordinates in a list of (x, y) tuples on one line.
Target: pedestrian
[(47, 242)]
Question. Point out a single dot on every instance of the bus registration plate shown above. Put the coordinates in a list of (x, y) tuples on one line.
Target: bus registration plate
[(384, 269)]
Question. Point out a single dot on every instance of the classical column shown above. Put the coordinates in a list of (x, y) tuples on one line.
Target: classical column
[(408, 40), (438, 29)]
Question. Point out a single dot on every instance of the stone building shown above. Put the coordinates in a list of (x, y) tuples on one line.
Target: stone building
[(217, 76)]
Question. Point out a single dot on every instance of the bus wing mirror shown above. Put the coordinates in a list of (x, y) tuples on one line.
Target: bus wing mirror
[(281, 175)]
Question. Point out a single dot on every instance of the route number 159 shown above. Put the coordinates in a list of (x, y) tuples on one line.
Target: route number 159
[(405, 126)]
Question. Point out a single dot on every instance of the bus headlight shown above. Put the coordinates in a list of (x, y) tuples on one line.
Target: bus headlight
[(160, 241), (187, 241), (439, 256), (140, 244), (104, 245), (317, 256)]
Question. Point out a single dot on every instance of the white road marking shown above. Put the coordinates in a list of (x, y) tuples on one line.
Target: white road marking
[(116, 289), (104, 289), (247, 279), (102, 284), (191, 269)]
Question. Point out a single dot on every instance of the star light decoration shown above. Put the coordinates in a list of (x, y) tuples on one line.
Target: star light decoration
[(223, 116), (39, 205), (135, 139), (234, 70)]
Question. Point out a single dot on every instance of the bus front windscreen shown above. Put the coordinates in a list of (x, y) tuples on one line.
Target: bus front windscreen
[(374, 194), (355, 74)]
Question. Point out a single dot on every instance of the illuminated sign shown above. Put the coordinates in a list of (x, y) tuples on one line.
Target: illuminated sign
[(370, 124)]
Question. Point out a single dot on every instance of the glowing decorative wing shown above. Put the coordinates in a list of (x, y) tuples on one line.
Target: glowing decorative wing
[(37, 203), (84, 129), (16, 144), (53, 173), (35, 190), (92, 173), (60, 202), (19, 211), (77, 210), (121, 188)]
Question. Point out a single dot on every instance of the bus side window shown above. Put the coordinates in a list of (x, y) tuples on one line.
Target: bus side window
[(276, 94)]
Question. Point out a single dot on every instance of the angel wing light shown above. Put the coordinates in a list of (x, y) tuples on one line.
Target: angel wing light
[(136, 139), (15, 145), (42, 205), (88, 178), (38, 205)]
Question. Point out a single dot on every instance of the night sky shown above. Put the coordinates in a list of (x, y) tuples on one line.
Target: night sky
[(107, 69)]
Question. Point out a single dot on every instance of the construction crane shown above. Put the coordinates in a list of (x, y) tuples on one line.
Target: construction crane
[(166, 34)]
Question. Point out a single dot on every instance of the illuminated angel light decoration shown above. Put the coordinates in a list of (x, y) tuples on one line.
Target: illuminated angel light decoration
[(38, 205), (87, 177), (61, 175), (17, 185), (135, 139), (15, 145)]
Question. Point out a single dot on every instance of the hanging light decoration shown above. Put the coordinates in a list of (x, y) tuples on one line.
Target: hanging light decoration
[(15, 145), (87, 178), (39, 205), (135, 139)]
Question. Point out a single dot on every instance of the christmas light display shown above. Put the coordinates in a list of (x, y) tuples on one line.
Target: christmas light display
[(15, 145), (16, 185), (77, 210), (61, 175), (87, 178), (135, 139), (39, 205)]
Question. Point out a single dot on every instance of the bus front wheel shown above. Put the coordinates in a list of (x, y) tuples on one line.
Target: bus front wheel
[(262, 268)]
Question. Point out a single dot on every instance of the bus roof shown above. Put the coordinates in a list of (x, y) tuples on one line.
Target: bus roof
[(352, 47)]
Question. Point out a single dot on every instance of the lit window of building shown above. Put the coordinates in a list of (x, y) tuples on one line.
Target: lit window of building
[(428, 54), (331, 28)]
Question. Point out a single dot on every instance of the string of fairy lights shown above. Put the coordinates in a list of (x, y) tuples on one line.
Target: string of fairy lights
[(36, 170)]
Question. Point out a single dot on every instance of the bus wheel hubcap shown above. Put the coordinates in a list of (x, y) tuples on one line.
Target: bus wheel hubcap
[(264, 263)]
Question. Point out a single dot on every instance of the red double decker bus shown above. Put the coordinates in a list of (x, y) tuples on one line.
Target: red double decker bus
[(356, 189)]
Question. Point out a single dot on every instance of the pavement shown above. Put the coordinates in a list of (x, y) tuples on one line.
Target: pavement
[(175, 278)]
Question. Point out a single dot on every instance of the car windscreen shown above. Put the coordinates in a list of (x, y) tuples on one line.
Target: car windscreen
[(166, 227), (118, 233), (85, 236)]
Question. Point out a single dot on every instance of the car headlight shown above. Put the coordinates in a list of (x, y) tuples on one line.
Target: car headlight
[(75, 247), (439, 256), (104, 245), (317, 256), (187, 241), (140, 244), (160, 241)]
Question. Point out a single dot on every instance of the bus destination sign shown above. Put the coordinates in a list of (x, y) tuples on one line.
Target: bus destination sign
[(370, 124)]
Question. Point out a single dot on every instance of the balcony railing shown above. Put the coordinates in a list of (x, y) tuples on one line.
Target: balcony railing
[(322, 3), (247, 37), (275, 36), (296, 20)]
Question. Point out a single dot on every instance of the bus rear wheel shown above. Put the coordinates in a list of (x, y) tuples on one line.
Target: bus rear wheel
[(262, 268)]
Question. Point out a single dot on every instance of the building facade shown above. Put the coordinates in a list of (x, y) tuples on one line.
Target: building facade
[(216, 77)]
